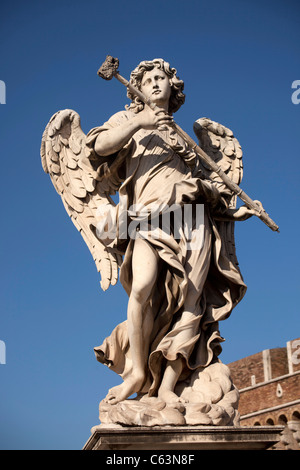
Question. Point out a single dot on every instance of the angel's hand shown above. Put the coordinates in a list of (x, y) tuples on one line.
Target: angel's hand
[(244, 212), (150, 120), (259, 208)]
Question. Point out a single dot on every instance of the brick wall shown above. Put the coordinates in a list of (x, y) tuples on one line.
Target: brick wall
[(270, 394), (266, 365), (244, 369), (269, 385), (279, 362)]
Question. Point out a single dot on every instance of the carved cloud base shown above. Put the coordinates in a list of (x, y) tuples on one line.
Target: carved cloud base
[(208, 398)]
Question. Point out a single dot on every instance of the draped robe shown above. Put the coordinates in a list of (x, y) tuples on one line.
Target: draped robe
[(196, 288)]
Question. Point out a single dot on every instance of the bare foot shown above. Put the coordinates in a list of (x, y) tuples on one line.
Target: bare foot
[(171, 399), (124, 390)]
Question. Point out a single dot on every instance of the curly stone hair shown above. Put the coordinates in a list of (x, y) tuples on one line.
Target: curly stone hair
[(177, 97)]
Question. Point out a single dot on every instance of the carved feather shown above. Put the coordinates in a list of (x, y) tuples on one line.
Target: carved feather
[(220, 144), (64, 156)]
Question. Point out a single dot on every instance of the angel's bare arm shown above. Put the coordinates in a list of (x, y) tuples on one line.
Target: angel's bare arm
[(113, 140)]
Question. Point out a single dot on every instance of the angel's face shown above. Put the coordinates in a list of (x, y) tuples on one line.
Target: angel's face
[(156, 86)]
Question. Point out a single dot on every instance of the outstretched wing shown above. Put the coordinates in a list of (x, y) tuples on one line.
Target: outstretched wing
[(64, 156), (220, 144)]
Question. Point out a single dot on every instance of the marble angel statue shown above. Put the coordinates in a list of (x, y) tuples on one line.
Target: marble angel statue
[(166, 349)]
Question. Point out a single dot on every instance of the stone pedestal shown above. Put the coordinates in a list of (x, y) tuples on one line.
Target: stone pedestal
[(181, 438)]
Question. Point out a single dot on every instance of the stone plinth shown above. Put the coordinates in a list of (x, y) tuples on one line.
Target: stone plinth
[(116, 437)]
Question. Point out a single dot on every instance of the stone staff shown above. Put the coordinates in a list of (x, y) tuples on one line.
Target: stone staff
[(109, 69)]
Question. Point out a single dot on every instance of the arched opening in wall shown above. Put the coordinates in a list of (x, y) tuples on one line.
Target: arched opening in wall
[(296, 416), (270, 422), (282, 420), (257, 423)]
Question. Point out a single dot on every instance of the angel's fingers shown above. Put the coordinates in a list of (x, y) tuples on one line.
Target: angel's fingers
[(259, 206), (258, 203), (164, 120)]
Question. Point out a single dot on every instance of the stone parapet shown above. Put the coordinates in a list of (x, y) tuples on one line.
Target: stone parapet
[(176, 438)]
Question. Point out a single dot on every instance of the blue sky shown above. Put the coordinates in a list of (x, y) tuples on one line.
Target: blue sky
[(238, 61)]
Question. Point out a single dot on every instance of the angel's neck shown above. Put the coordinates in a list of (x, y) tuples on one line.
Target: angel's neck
[(162, 106)]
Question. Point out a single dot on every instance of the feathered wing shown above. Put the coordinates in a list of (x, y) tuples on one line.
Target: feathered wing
[(64, 156), (220, 144)]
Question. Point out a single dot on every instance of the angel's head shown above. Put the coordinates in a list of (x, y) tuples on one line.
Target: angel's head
[(175, 93)]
